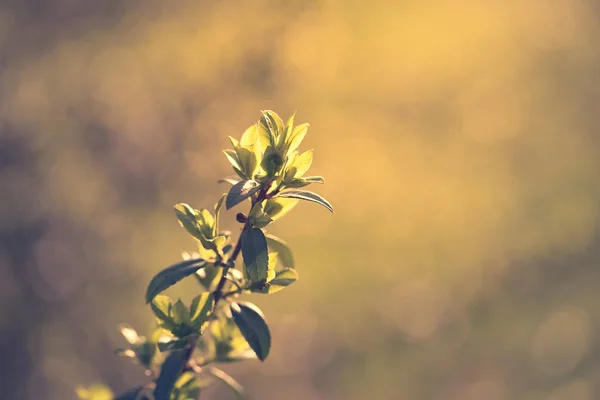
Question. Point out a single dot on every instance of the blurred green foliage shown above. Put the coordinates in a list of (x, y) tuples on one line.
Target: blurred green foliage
[(460, 143)]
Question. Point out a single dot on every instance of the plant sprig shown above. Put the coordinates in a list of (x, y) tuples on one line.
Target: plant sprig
[(216, 327)]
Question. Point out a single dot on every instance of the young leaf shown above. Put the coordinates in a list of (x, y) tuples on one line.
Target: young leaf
[(218, 206), (232, 157), (240, 192), (169, 276), (274, 125), (180, 313), (237, 389), (257, 217), (282, 280), (278, 207), (248, 160), (251, 322), (296, 137), (187, 218), (282, 249), (250, 136), (254, 251), (303, 163), (306, 195), (161, 307), (200, 309)]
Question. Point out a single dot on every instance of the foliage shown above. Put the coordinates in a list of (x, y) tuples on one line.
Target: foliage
[(216, 326)]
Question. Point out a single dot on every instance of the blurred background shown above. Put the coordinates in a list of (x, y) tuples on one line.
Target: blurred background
[(460, 146)]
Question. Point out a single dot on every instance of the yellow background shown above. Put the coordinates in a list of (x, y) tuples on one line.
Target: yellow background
[(459, 141)]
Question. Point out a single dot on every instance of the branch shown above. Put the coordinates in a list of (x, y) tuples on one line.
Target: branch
[(176, 362)]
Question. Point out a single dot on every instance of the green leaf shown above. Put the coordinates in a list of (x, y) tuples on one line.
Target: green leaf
[(282, 249), (296, 137), (169, 373), (289, 129), (187, 218), (201, 308), (209, 276), (278, 207), (257, 217), (251, 322), (218, 206), (232, 157), (248, 160), (272, 262), (250, 136), (237, 389), (306, 195), (273, 124), (303, 163), (167, 343), (169, 276), (255, 253), (240, 192), (282, 280), (161, 307), (180, 313)]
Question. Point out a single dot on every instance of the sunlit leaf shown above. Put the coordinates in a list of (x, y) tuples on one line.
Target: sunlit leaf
[(255, 253), (282, 280), (250, 136), (306, 195), (303, 163), (229, 381), (278, 207), (232, 157), (187, 218), (240, 192), (297, 137), (171, 275), (250, 320), (272, 262), (209, 276), (273, 123), (200, 309), (282, 249), (161, 307), (248, 160), (258, 218), (218, 206), (180, 313)]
